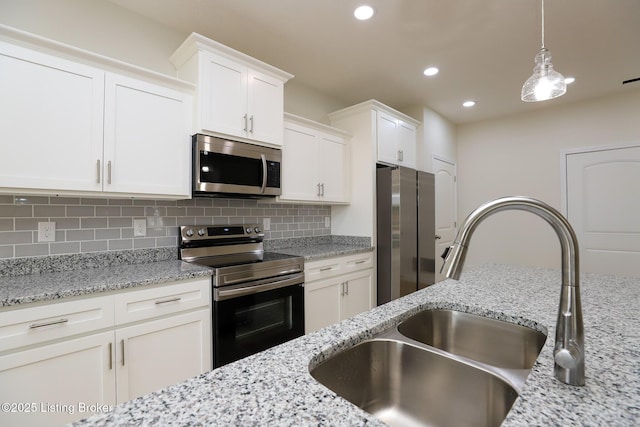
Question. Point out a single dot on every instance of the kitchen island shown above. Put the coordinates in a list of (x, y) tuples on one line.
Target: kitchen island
[(274, 387)]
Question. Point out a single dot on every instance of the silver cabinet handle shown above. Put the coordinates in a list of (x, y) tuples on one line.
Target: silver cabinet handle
[(326, 268), (164, 301), (98, 171), (342, 289), (122, 350), (41, 325), (362, 261), (251, 128), (245, 123), (109, 172), (110, 356), (318, 193), (346, 284), (322, 186)]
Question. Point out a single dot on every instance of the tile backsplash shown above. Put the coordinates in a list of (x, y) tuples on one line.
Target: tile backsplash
[(96, 225)]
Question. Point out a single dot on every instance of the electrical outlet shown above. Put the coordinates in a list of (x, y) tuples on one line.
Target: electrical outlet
[(46, 232), (266, 224), (139, 227), (327, 221)]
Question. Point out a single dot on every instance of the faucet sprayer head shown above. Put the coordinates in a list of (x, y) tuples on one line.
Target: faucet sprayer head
[(453, 257)]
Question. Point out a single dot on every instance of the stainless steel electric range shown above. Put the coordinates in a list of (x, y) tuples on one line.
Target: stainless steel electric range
[(258, 296)]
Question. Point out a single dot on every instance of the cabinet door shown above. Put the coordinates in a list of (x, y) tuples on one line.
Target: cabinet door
[(146, 138), (358, 293), (60, 379), (156, 354), (334, 169), (299, 164), (265, 104), (407, 144), (223, 91), (387, 138), (51, 133), (322, 303)]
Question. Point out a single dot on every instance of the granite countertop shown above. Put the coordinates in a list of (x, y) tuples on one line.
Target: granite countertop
[(327, 250), (274, 387), (320, 247), (48, 286)]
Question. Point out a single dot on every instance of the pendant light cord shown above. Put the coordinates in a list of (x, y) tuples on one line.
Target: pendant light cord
[(543, 24)]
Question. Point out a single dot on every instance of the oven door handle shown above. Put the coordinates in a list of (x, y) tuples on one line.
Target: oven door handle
[(264, 172), (221, 294)]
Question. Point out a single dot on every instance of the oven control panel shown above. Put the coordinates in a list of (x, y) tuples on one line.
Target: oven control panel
[(215, 232)]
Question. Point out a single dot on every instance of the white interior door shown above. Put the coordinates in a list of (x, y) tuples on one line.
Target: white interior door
[(446, 196), (603, 206)]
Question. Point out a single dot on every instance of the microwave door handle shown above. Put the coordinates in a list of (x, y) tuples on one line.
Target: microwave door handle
[(264, 172)]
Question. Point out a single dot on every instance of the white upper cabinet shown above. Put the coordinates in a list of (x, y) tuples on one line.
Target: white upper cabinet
[(396, 140), (76, 123), (315, 162), (379, 134), (51, 131), (146, 138), (237, 95)]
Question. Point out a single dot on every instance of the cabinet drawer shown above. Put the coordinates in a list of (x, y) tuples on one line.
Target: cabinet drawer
[(33, 325), (358, 262), (321, 269), (159, 301)]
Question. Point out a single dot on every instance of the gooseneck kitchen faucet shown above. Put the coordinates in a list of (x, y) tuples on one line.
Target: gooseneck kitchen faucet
[(569, 347)]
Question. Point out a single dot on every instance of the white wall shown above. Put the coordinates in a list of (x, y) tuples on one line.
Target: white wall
[(304, 101), (98, 26), (520, 155), (436, 137), (105, 28)]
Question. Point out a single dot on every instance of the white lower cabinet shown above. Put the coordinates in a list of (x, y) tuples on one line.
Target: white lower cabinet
[(153, 355), (156, 337), (339, 288), (57, 383)]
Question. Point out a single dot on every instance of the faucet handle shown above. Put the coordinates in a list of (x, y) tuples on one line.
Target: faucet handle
[(568, 358)]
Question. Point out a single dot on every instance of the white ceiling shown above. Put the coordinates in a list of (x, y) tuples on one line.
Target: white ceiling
[(484, 48)]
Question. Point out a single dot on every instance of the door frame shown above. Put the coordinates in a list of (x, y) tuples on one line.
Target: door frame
[(564, 196), (440, 158)]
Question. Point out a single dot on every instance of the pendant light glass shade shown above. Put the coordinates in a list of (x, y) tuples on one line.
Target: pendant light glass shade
[(545, 83)]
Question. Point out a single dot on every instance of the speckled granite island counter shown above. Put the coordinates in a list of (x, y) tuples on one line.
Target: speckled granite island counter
[(275, 388)]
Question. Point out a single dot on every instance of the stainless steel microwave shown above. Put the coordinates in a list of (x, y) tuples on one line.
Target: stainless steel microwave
[(224, 168)]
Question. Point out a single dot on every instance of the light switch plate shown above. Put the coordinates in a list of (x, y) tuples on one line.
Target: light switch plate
[(46, 232), (139, 227)]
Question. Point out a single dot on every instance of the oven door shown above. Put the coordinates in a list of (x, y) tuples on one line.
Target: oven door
[(249, 319)]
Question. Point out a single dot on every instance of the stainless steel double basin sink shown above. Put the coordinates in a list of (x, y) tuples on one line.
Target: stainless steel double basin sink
[(438, 368)]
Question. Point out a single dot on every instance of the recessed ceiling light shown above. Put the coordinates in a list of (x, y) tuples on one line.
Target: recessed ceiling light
[(468, 104), (363, 12), (431, 71), (569, 80)]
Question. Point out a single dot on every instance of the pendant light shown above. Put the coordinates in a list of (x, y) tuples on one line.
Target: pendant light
[(545, 82)]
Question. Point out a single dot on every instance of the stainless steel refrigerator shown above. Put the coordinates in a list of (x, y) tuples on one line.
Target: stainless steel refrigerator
[(405, 200)]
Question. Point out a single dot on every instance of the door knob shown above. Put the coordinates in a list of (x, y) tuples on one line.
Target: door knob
[(438, 237)]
